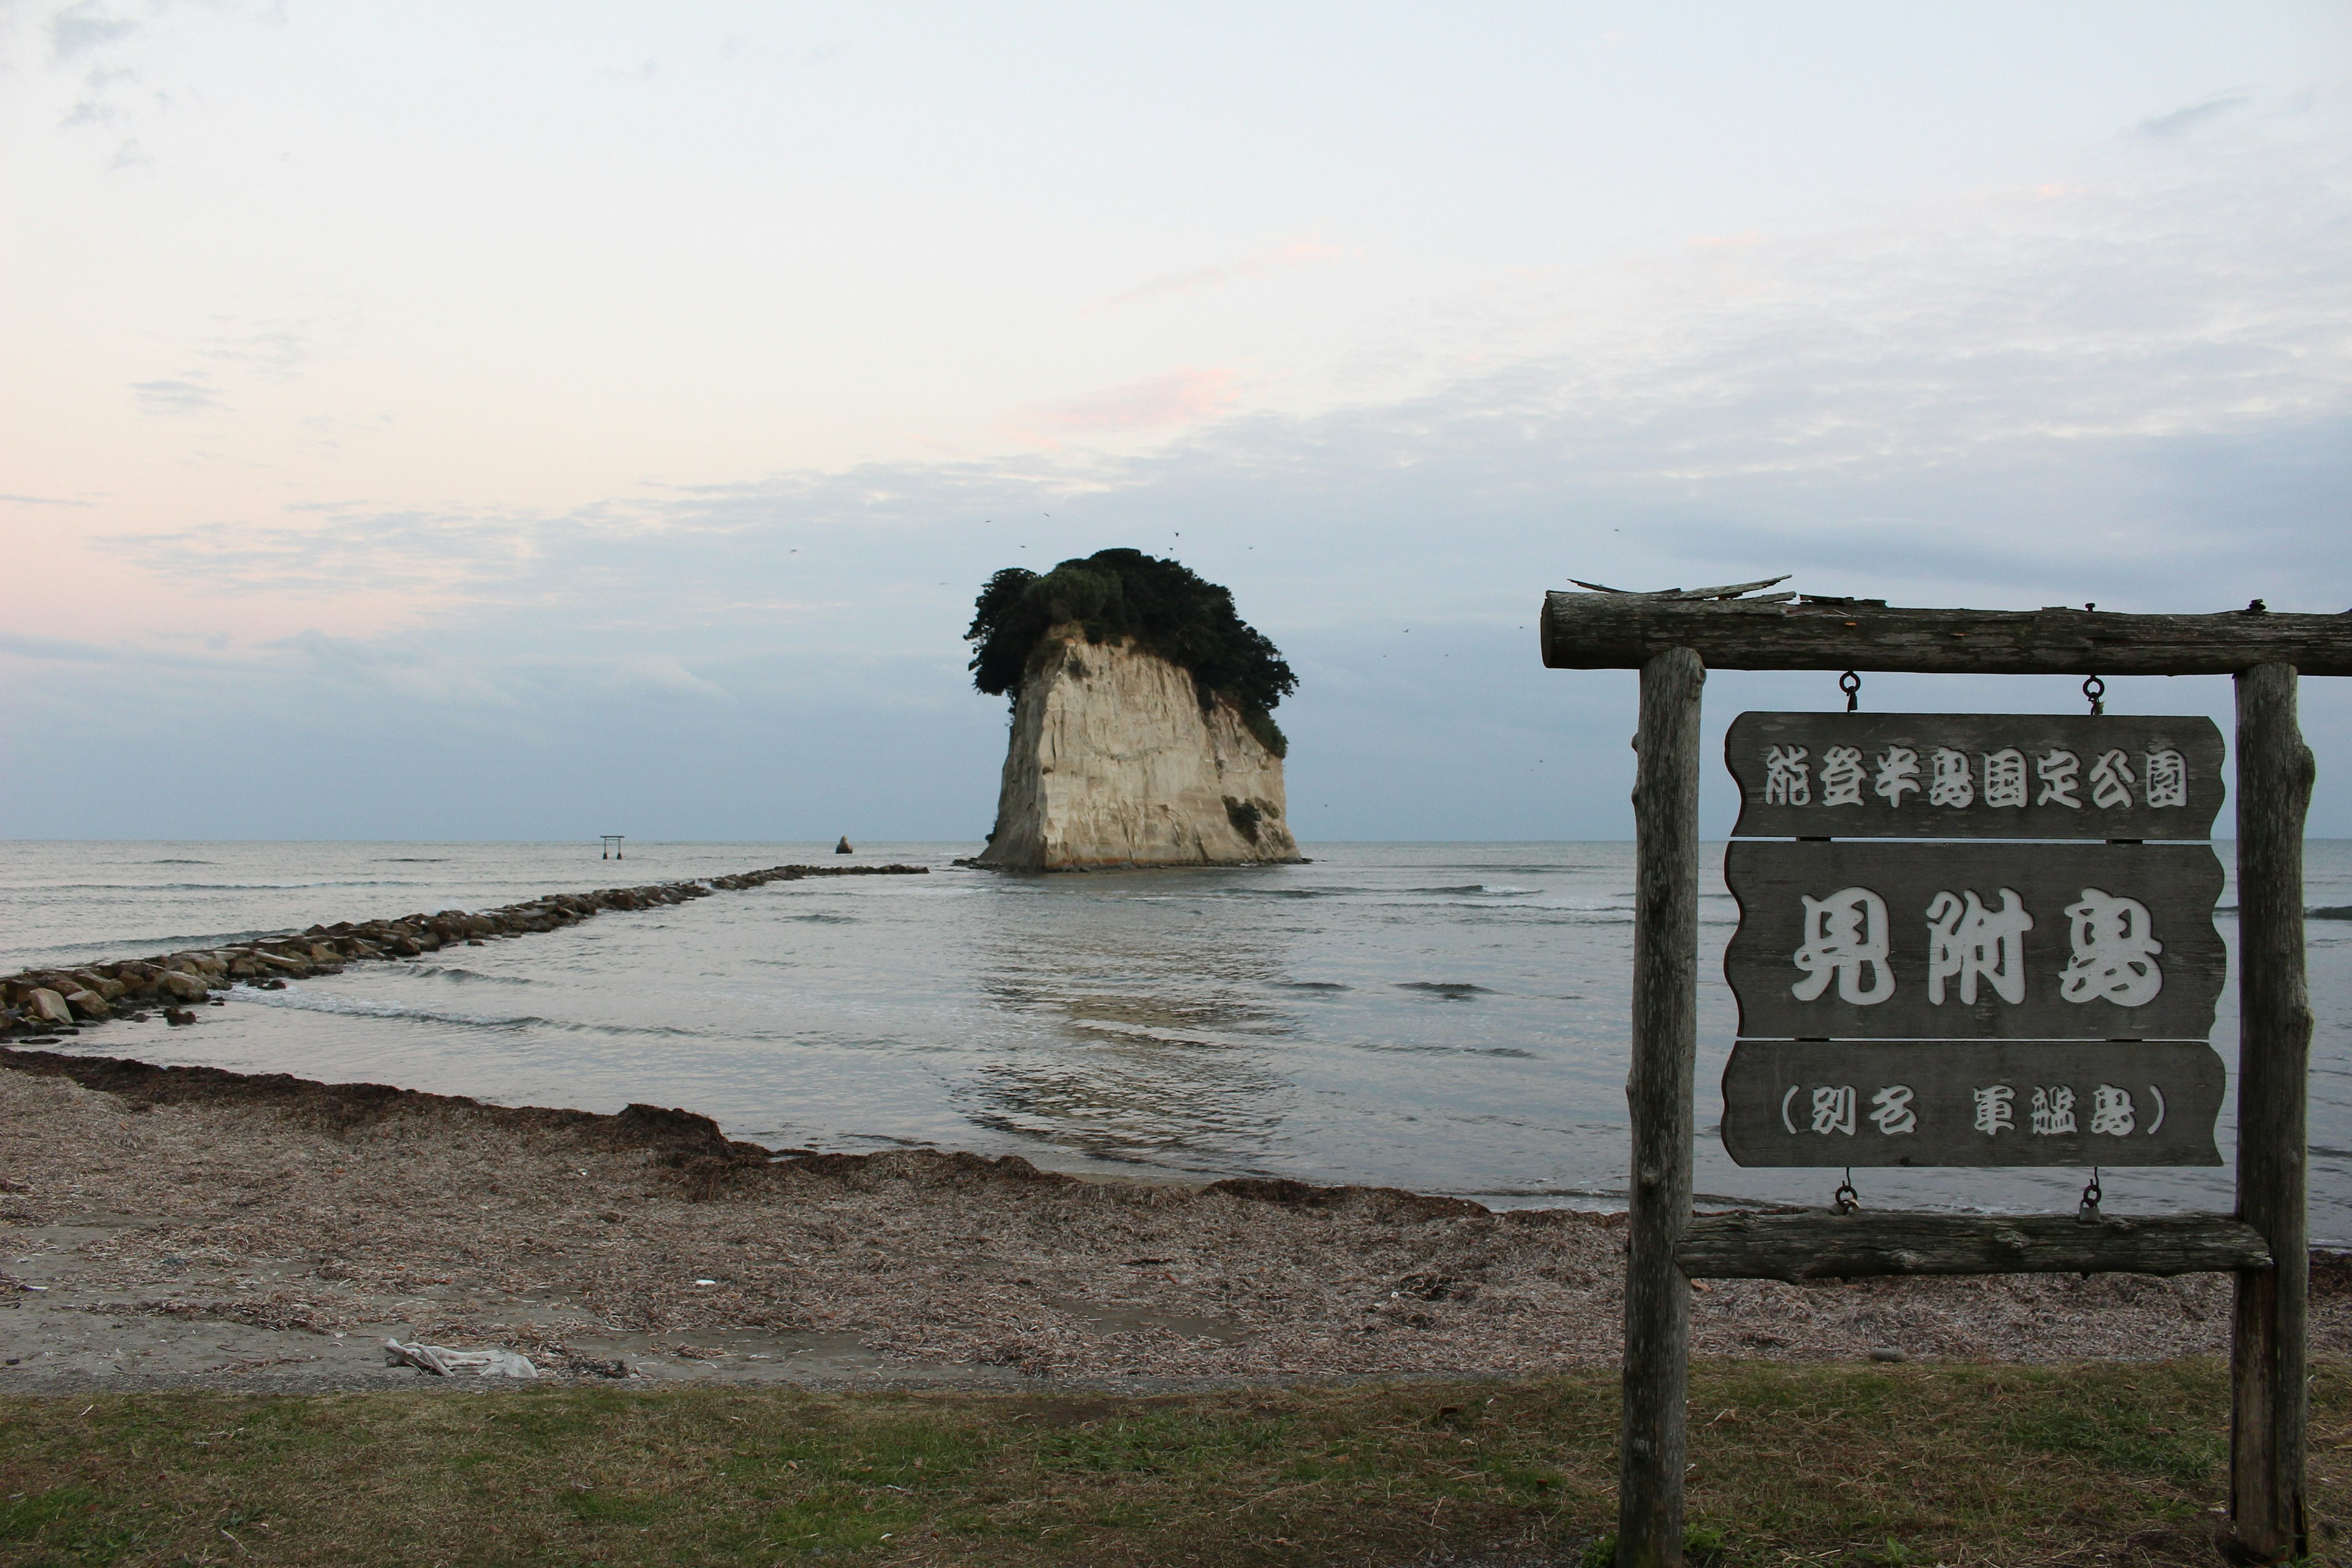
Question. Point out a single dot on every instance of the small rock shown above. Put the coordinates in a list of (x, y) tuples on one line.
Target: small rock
[(180, 983), (1888, 1354), (178, 1016), (88, 1004), (105, 985), (45, 1006)]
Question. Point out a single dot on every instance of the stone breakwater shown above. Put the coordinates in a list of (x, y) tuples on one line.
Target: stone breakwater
[(41, 1001)]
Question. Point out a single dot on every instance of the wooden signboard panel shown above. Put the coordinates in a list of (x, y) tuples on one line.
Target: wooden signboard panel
[(1974, 775), (2047, 942), (1673, 637), (1976, 1103)]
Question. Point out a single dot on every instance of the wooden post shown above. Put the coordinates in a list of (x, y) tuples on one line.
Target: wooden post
[(1658, 1097), (2268, 1400)]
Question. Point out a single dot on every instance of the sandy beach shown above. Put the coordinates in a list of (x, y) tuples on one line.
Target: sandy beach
[(163, 1226)]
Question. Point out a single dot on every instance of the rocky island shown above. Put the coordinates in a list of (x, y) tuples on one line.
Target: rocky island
[(1142, 726)]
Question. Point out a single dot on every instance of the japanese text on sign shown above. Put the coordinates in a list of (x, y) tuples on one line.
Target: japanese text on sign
[(1959, 781), (1975, 776)]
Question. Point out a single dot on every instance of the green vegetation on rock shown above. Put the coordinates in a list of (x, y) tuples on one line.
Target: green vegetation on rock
[(1162, 605)]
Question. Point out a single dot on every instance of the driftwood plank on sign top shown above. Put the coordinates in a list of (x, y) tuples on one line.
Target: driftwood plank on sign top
[(1619, 631), (1974, 775), (1863, 940), (1971, 1102), (1801, 1247)]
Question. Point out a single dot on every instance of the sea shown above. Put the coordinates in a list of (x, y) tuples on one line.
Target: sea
[(1444, 1018)]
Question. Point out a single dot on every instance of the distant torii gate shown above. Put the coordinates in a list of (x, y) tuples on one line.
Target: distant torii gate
[(1672, 637)]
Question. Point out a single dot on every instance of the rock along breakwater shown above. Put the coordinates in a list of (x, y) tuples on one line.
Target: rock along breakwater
[(42, 1001)]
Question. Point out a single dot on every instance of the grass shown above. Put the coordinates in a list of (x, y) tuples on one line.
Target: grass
[(1888, 1466)]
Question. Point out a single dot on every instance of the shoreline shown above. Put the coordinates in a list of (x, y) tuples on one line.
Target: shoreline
[(192, 1225), (39, 1003)]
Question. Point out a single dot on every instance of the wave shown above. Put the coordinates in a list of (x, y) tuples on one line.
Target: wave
[(305, 1000), (1511, 1052), (824, 920), (1313, 985), (1282, 892), (1451, 990), (113, 948), (453, 972), (214, 886), (181, 862), (1470, 889), (407, 860)]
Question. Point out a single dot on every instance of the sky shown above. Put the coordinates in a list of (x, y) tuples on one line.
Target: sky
[(533, 421)]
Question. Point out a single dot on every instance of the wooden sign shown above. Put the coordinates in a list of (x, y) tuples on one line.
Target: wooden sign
[(1674, 637), (1974, 775), (2043, 941), (1988, 1102)]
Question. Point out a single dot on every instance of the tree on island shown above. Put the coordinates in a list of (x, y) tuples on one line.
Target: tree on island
[(1163, 606)]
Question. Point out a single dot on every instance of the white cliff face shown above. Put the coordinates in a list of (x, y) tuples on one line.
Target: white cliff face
[(1112, 762)]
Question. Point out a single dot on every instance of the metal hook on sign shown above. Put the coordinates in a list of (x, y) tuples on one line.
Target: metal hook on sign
[(1845, 1200), (2096, 690), (1851, 684), (2089, 1212)]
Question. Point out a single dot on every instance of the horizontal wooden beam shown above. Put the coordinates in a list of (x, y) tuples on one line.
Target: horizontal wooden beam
[(1622, 631), (1799, 1247)]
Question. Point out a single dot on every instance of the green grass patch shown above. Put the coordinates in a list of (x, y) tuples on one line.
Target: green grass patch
[(1847, 1465)]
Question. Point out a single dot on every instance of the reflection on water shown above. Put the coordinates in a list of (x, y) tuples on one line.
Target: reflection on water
[(1448, 1017), (1147, 1001)]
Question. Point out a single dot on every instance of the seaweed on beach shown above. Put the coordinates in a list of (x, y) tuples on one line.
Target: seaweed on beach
[(1161, 605)]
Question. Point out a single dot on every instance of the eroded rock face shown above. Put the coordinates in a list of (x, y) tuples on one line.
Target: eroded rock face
[(1112, 762)]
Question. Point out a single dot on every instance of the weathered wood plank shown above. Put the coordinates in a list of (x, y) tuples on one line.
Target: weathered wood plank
[(1656, 1370), (2271, 1323), (1622, 631), (1975, 776), (1971, 1102), (1802, 1247), (2023, 991)]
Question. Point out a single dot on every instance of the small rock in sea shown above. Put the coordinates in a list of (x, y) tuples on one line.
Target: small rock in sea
[(176, 1016), (185, 986)]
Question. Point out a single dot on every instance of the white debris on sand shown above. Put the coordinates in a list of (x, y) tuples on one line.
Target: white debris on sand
[(298, 1207)]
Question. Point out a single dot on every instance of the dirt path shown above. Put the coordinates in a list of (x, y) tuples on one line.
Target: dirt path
[(178, 1224)]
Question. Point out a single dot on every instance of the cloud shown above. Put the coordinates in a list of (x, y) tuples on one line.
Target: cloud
[(41, 500), (2181, 121), (2135, 392), (84, 25), (175, 398), (346, 549), (272, 349), (1299, 253), (1156, 404), (13, 644), (91, 111)]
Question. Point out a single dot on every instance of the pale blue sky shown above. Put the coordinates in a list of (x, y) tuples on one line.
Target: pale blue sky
[(504, 420)]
